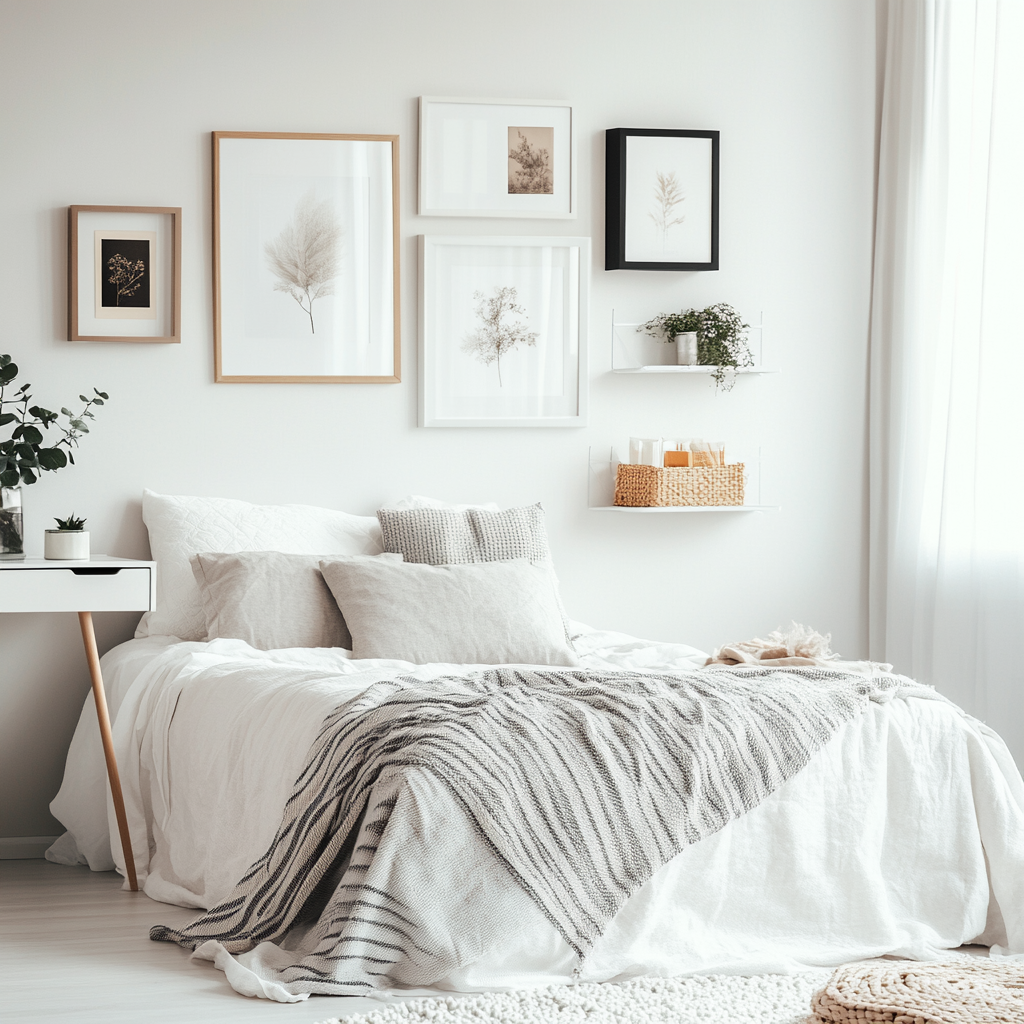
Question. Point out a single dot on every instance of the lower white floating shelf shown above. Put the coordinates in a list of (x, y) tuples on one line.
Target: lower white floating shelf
[(685, 508)]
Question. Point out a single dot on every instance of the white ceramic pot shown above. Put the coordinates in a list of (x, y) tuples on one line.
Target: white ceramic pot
[(686, 348), (66, 544)]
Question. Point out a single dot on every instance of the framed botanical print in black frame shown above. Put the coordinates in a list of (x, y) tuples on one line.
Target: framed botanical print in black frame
[(661, 199)]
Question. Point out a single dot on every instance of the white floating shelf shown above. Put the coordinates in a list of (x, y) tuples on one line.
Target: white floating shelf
[(686, 508), (671, 368), (633, 352)]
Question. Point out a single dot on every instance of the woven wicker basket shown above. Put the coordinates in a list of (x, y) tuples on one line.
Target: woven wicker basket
[(649, 486)]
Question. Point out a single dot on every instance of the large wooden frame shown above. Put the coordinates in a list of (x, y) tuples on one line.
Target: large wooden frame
[(166, 309), (388, 352)]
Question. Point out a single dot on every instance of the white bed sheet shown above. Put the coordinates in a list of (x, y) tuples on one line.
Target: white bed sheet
[(878, 846)]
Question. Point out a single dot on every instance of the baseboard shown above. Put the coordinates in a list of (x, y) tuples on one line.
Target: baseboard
[(25, 847)]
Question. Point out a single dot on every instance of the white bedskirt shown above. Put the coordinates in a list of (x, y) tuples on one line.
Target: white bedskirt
[(878, 846)]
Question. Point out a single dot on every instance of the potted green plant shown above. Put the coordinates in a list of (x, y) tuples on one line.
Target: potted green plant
[(720, 337), (69, 540), (25, 454), (679, 329)]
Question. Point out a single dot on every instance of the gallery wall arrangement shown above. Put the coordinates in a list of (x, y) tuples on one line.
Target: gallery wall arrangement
[(306, 269), (306, 234)]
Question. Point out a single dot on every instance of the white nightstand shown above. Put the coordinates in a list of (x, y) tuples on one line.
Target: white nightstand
[(101, 584)]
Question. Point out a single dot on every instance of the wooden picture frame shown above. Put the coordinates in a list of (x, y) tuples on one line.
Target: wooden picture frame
[(503, 331), (467, 165), (124, 274), (661, 199), (334, 199)]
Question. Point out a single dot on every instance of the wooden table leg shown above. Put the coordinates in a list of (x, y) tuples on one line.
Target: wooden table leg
[(92, 655)]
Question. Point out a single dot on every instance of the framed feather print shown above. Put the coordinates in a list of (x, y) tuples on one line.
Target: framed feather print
[(305, 256)]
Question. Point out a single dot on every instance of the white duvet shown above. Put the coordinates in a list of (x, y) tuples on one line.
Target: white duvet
[(878, 846)]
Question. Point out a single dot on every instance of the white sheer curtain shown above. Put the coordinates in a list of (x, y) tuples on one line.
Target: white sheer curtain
[(947, 357)]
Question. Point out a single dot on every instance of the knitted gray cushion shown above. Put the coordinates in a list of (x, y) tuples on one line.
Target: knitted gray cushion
[(443, 536)]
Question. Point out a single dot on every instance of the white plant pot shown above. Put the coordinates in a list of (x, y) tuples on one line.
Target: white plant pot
[(686, 348), (66, 544)]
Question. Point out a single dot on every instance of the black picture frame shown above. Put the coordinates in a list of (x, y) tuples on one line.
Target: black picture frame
[(617, 216)]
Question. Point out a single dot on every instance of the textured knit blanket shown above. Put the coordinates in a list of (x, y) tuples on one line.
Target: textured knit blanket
[(422, 803)]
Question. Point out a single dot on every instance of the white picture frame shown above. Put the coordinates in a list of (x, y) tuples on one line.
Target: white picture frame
[(329, 199), (522, 299), (466, 165)]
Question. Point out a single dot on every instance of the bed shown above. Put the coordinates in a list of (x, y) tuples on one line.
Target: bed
[(903, 834)]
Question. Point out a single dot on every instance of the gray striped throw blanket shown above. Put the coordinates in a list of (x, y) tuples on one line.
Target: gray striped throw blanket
[(426, 809)]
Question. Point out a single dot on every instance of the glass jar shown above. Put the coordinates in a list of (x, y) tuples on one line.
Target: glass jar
[(12, 530)]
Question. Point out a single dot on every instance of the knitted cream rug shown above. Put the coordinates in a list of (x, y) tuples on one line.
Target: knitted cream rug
[(973, 990), (764, 999)]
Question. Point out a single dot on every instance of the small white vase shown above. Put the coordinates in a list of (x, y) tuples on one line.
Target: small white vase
[(66, 544), (686, 348)]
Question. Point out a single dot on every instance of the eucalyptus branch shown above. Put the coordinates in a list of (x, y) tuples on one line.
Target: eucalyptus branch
[(23, 456)]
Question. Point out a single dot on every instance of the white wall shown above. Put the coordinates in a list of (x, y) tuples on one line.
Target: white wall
[(112, 103)]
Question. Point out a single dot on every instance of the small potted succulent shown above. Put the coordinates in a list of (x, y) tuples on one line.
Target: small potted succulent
[(720, 335), (69, 540)]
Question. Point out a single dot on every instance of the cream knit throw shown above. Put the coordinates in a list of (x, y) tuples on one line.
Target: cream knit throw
[(973, 990)]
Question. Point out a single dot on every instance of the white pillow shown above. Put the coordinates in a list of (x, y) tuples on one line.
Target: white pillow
[(181, 526)]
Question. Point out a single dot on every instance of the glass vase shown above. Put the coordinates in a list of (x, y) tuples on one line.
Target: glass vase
[(12, 530)]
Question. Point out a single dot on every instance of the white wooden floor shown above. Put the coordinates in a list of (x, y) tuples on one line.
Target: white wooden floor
[(75, 947)]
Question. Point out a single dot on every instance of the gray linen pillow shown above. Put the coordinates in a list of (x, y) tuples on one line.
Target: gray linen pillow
[(270, 600), (490, 613)]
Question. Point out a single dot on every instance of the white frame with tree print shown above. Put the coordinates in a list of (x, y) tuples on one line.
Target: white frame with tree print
[(503, 331), (305, 255)]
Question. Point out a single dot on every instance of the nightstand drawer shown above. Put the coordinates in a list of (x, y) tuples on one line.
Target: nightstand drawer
[(65, 589)]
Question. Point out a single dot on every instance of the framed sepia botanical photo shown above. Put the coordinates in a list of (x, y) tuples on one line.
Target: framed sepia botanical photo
[(124, 273), (305, 257), (503, 331), (661, 199), (496, 158)]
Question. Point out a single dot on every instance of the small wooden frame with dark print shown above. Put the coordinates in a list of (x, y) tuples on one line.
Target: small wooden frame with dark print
[(661, 199), (124, 273)]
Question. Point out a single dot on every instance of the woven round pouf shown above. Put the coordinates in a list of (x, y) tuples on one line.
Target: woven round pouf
[(968, 991)]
